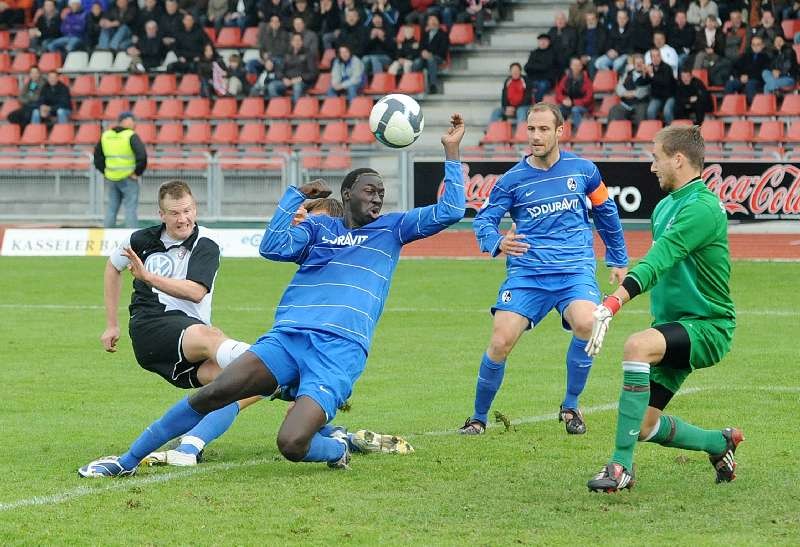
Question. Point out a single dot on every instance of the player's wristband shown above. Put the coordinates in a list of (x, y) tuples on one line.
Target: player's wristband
[(613, 303)]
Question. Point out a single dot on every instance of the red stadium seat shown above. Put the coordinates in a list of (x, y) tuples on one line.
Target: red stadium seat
[(793, 134), (50, 61), (170, 133), (360, 107), (279, 107), (604, 81), (145, 109), (770, 131), (35, 134), (198, 108), (764, 104), (605, 106), (226, 133), (462, 34), (521, 134), (211, 32), (322, 85), (89, 134), (382, 83), (335, 133), (790, 27), (9, 86), (412, 83), (224, 108), (589, 131), (701, 74), (278, 133), (115, 107), (5, 40), (229, 37), (333, 107), (338, 159), (250, 37), (306, 107), (251, 107), (22, 40), (5, 62), (618, 131), (497, 132), (9, 134), (566, 133), (110, 85), (198, 133), (361, 134), (8, 106), (62, 134), (83, 86), (170, 109), (740, 131), (306, 133), (712, 130), (326, 61), (190, 85), (647, 130), (164, 84), (253, 133), (732, 105), (136, 84), (790, 105), (146, 132), (23, 61), (90, 109), (682, 122)]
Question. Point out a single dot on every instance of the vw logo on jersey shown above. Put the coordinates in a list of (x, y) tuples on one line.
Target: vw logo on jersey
[(571, 184), (506, 297), (160, 264)]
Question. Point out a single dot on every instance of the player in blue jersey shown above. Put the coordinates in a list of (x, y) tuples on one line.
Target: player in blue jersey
[(550, 258), (325, 320)]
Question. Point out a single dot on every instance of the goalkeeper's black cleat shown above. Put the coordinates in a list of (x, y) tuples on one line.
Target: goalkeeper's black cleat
[(612, 478), (472, 427), (724, 464), (573, 420)]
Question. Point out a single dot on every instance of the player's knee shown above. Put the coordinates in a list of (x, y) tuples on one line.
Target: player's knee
[(501, 344), (634, 349), (582, 327), (294, 447), (648, 425)]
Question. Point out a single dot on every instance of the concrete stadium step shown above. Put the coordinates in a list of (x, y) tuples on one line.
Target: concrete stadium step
[(513, 38), (492, 64)]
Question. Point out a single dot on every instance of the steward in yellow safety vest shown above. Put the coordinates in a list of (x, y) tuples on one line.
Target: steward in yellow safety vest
[(120, 152)]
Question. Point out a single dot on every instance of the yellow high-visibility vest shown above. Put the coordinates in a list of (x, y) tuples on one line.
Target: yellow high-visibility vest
[(120, 158)]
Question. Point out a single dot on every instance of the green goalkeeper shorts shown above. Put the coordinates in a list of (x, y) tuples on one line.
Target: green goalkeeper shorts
[(709, 339)]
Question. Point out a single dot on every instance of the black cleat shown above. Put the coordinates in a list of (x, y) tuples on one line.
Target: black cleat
[(472, 427), (573, 420), (724, 464), (612, 478)]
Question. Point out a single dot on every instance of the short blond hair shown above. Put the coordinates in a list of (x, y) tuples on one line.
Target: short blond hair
[(175, 189), (684, 139), (548, 107)]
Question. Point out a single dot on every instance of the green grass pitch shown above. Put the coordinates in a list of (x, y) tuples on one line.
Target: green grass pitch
[(65, 402)]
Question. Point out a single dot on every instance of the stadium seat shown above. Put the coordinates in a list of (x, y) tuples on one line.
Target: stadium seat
[(322, 85), (62, 134), (618, 131), (589, 131), (647, 130), (412, 83), (497, 132), (790, 105), (9, 86), (229, 37), (790, 27), (361, 134), (198, 133), (164, 84), (335, 133), (9, 134), (566, 133), (326, 61), (251, 107), (701, 74), (333, 107), (88, 134), (9, 105), (712, 130), (5, 62), (764, 104), (400, 38), (145, 109), (170, 109), (100, 61), (136, 84), (306, 107), (198, 108), (462, 34), (250, 37), (604, 81), (5, 40), (306, 133), (605, 106), (122, 62), (732, 105), (49, 61), (83, 86), (521, 134), (110, 85), (190, 85), (251, 54), (23, 61), (382, 83), (226, 133), (211, 33), (360, 107), (740, 131), (76, 61), (90, 109), (35, 134), (338, 159), (770, 132), (793, 133), (115, 107), (278, 133), (224, 108), (279, 107), (682, 122), (146, 132), (170, 133), (253, 133), (22, 40)]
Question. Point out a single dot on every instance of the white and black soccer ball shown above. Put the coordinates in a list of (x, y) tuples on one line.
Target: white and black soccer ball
[(396, 120)]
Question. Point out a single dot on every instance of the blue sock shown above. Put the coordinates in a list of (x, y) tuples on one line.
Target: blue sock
[(490, 377), (324, 449), (578, 366), (177, 420), (328, 429), (210, 427)]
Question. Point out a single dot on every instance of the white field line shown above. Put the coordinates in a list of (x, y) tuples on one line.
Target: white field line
[(82, 491), (399, 309)]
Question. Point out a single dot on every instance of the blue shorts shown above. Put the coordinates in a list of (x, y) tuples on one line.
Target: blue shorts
[(316, 364), (534, 296)]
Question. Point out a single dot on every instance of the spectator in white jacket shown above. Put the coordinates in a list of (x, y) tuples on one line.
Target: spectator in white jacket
[(668, 53)]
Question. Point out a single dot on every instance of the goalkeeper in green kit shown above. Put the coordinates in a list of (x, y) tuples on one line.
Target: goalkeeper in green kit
[(687, 269)]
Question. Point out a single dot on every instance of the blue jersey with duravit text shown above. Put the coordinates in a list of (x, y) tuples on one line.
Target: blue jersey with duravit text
[(551, 209), (344, 274)]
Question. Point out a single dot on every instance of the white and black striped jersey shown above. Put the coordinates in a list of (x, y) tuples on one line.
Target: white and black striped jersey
[(195, 259)]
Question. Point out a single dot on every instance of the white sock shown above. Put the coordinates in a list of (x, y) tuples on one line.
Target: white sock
[(229, 350)]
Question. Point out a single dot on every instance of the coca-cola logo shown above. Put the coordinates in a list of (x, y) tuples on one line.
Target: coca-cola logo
[(476, 188), (776, 191)]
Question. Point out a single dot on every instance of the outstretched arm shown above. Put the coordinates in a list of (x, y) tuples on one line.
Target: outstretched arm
[(426, 221)]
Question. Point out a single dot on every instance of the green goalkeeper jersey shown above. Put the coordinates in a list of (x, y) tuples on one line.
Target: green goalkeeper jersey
[(688, 267)]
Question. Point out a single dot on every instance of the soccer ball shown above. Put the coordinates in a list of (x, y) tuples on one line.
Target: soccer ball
[(396, 120)]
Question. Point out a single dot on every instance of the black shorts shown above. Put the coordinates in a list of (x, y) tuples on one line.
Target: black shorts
[(157, 345), (676, 361)]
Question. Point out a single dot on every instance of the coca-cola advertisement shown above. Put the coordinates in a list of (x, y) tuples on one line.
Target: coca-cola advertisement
[(749, 191)]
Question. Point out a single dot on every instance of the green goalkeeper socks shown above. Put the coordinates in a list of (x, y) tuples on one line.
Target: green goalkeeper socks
[(675, 433), (633, 402)]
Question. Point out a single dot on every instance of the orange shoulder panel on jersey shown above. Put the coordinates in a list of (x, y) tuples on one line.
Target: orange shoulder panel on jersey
[(600, 195)]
